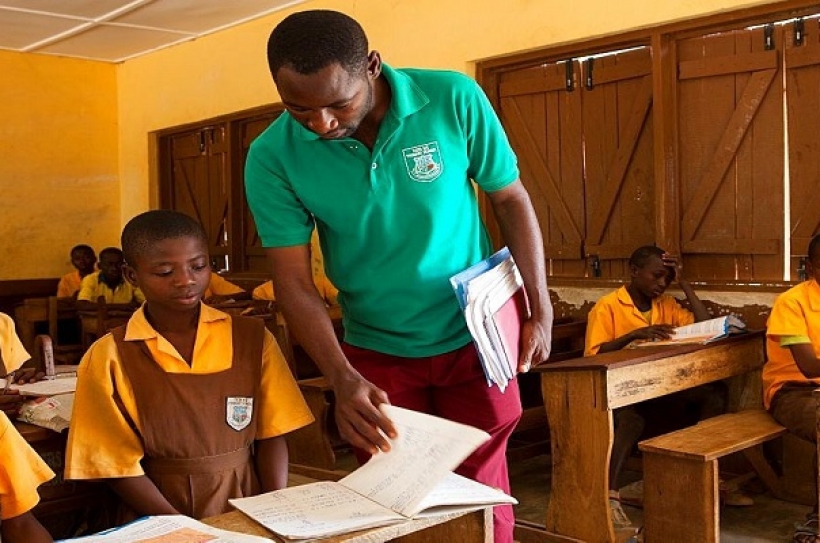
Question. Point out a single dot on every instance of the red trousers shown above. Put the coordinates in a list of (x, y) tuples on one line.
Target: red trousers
[(452, 386)]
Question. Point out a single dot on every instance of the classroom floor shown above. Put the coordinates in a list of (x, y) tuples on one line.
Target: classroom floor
[(768, 520)]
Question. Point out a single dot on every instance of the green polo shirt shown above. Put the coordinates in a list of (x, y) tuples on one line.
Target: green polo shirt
[(395, 223)]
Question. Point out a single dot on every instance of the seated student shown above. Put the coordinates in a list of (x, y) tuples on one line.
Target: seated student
[(792, 371), (109, 282), (21, 472), (83, 259), (184, 407), (641, 311), (221, 290), (326, 289)]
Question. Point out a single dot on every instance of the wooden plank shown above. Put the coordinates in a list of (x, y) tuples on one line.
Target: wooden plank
[(581, 443), (718, 436), (535, 85), (733, 246), (802, 57), (529, 532), (520, 134), (617, 168), (730, 141), (680, 500), (475, 527), (730, 64), (630, 384), (665, 140), (638, 66)]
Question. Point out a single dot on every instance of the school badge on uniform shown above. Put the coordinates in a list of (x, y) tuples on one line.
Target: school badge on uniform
[(423, 162), (238, 412)]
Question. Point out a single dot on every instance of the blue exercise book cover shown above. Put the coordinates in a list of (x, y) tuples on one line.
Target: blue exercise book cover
[(461, 280)]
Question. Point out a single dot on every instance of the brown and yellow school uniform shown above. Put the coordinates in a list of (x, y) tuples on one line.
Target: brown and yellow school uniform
[(141, 409)]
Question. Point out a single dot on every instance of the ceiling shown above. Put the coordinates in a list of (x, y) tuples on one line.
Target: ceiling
[(117, 30)]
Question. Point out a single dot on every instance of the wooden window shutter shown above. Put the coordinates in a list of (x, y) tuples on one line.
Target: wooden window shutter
[(730, 139), (803, 99)]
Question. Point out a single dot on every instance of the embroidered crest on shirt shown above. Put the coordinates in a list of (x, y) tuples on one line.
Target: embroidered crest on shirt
[(423, 161), (238, 412)]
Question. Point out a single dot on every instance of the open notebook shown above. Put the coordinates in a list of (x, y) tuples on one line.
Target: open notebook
[(413, 480), (700, 332)]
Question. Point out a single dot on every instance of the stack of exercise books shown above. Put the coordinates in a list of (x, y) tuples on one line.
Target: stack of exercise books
[(491, 294)]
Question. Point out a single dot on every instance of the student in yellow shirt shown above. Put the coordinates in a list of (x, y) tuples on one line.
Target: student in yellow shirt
[(642, 311), (185, 407), (21, 472), (83, 259), (110, 283), (792, 371)]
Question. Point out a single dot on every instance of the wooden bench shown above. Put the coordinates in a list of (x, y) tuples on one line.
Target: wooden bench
[(681, 473)]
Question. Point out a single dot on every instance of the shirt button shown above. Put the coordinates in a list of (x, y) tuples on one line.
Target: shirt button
[(374, 165)]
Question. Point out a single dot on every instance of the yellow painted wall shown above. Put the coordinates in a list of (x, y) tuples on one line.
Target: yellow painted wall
[(227, 71), (59, 181)]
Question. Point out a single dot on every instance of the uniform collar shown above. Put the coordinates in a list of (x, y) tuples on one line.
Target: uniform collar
[(407, 98), (138, 327)]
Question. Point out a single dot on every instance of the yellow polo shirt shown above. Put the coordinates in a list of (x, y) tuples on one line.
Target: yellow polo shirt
[(91, 288), (796, 312), (326, 289), (21, 472), (220, 286), (11, 350), (615, 315), (69, 284), (102, 444)]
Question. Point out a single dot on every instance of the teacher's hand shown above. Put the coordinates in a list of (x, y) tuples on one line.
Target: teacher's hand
[(358, 416)]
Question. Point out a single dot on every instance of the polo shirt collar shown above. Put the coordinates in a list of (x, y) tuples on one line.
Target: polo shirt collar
[(407, 98), (138, 327), (625, 299)]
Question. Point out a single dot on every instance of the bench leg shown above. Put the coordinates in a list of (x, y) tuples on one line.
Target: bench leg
[(680, 499)]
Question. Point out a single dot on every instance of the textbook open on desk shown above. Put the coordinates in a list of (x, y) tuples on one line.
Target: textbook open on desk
[(413, 480), (700, 332), (491, 295)]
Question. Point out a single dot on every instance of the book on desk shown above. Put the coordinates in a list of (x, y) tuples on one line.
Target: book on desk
[(491, 295), (413, 480), (170, 528), (699, 332)]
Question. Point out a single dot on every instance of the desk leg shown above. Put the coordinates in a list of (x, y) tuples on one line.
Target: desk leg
[(581, 434)]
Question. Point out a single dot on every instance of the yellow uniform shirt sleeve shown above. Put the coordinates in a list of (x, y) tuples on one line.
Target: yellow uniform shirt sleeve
[(101, 442), (69, 285), (220, 286), (11, 349), (21, 472), (88, 287), (264, 291), (786, 341), (282, 406), (795, 314), (601, 324)]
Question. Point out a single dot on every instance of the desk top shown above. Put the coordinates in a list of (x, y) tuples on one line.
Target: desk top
[(465, 528), (630, 357), (34, 434)]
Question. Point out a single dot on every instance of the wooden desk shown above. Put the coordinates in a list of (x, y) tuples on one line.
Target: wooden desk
[(472, 527), (580, 394)]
